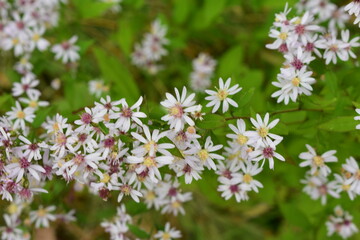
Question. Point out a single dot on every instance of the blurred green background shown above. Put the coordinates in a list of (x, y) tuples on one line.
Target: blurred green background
[(234, 32)]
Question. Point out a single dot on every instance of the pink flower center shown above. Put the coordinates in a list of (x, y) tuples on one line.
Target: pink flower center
[(234, 188), (300, 29), (126, 112), (109, 142), (86, 118), (33, 147), (297, 64), (24, 163), (268, 152), (172, 192)]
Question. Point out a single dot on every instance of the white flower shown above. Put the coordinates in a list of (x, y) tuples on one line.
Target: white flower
[(128, 114), (80, 161), (251, 170), (67, 50), (127, 190), (341, 223), (169, 233), (293, 83), (351, 166), (205, 154), (266, 152), (233, 187), (23, 166), (222, 95), (262, 137), (240, 133), (21, 115), (178, 109), (27, 85), (42, 216), (317, 162)]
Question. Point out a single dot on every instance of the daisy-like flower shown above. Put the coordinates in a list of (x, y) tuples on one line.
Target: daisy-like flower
[(318, 187), (22, 166), (27, 85), (11, 230), (205, 154), (43, 216), (21, 116), (251, 170), (90, 116), (233, 187), (262, 136), (67, 50), (33, 101), (150, 143), (169, 233), (266, 152), (222, 95), (32, 150), (97, 87), (240, 133), (178, 109), (303, 27), (80, 161), (128, 114), (36, 39), (127, 190), (317, 162), (352, 173), (293, 83), (341, 223)]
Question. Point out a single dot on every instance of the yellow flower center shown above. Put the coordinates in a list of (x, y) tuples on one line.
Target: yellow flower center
[(41, 212), (105, 178), (176, 111), (36, 37), (23, 61), (106, 117), (345, 187), (150, 195), (222, 94), (191, 130), (151, 145), (241, 139), (247, 178), (295, 81), (203, 154), (319, 161), (298, 21), (149, 162), (20, 114), (56, 127), (15, 41), (33, 104), (12, 209), (263, 132), (283, 36), (176, 204), (166, 236)]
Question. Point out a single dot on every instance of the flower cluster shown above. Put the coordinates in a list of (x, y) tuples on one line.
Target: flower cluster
[(317, 184), (246, 149), (203, 68), (23, 25), (149, 52), (118, 226), (300, 40), (341, 223), (19, 221)]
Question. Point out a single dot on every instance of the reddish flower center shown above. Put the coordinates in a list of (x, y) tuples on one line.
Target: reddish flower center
[(297, 64), (268, 152), (24, 163), (86, 118), (172, 192), (234, 188), (109, 142), (300, 29)]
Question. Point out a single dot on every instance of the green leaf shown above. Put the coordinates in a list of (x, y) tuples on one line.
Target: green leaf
[(92, 9), (331, 83), (245, 97), (115, 72), (211, 121), (230, 62), (138, 232), (294, 216), (182, 9), (340, 124)]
